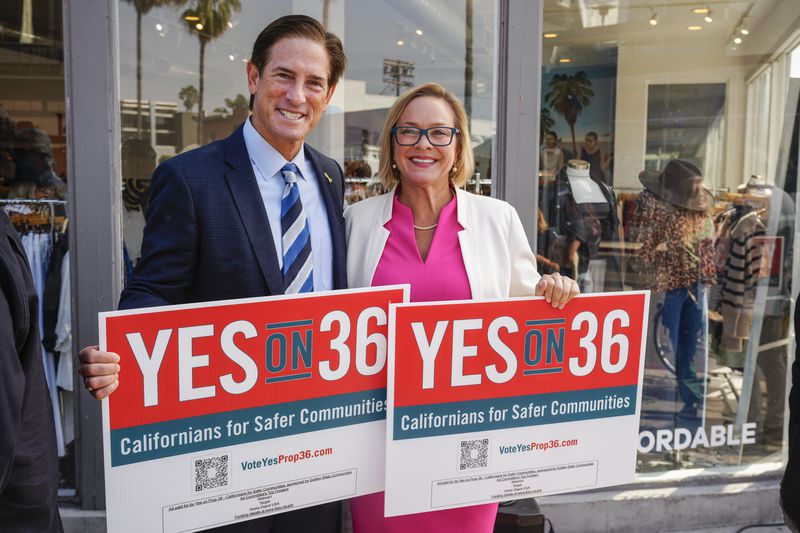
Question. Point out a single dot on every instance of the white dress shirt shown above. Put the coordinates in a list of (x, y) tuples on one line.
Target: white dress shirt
[(267, 163)]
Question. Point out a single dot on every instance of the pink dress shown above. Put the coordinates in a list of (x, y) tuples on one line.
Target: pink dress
[(441, 276)]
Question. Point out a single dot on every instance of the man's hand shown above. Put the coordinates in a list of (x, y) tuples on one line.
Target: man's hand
[(557, 289), (100, 371)]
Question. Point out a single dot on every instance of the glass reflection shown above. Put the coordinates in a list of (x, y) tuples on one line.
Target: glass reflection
[(33, 181), (629, 89), (180, 62)]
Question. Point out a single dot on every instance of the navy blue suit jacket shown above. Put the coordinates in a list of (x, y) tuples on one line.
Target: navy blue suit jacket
[(207, 235)]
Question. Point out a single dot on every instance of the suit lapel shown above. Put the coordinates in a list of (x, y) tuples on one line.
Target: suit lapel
[(244, 188), (329, 180)]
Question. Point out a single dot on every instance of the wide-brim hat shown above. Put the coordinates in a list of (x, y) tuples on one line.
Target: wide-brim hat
[(680, 184), (33, 140)]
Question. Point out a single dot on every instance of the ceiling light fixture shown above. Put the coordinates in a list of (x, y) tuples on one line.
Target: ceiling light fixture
[(740, 29), (191, 18), (701, 10), (400, 42), (550, 35), (231, 57), (654, 19), (565, 60), (159, 27), (419, 32), (708, 18), (694, 27), (199, 26)]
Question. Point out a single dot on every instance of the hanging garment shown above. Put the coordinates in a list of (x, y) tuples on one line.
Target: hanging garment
[(37, 248), (52, 292), (740, 279), (63, 345), (63, 331)]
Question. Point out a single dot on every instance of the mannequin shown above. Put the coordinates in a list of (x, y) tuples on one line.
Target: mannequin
[(138, 163), (581, 212), (584, 189), (673, 226)]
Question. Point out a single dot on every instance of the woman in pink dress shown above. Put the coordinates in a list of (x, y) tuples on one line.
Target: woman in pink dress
[(447, 243)]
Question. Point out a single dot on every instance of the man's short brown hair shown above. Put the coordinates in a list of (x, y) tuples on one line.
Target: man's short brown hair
[(299, 26)]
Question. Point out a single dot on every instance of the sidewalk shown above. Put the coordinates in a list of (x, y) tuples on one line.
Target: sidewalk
[(735, 529)]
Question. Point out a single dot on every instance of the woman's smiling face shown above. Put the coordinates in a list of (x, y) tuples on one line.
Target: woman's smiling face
[(423, 163)]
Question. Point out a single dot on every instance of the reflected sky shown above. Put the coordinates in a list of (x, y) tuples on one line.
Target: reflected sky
[(432, 34)]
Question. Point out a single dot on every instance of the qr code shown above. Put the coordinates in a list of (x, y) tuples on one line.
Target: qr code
[(211, 473), (474, 454)]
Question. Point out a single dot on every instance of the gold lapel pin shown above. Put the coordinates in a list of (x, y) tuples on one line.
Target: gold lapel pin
[(330, 179)]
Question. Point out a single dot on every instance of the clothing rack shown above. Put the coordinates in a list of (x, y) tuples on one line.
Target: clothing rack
[(716, 190), (50, 204), (32, 201)]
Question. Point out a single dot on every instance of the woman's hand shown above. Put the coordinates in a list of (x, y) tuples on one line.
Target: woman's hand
[(557, 289)]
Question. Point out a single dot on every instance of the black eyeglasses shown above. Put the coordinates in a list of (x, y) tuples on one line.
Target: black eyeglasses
[(437, 135)]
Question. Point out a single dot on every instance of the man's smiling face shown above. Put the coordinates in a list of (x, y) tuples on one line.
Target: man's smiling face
[(291, 93)]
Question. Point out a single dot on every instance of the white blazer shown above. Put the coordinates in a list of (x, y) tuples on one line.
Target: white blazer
[(496, 253)]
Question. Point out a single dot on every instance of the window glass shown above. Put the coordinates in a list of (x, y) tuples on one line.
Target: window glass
[(33, 187), (390, 47), (685, 186)]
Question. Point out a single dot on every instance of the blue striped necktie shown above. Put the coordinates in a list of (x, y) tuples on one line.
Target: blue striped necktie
[(295, 237)]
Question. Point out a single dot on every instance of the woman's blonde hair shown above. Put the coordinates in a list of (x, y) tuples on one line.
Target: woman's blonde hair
[(465, 160)]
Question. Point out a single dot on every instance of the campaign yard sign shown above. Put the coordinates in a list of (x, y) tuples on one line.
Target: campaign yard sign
[(506, 399), (233, 410)]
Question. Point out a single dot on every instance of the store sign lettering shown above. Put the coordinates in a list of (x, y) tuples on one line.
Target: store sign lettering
[(665, 440)]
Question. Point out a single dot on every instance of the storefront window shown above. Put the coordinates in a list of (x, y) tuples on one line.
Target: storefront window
[(390, 47), (649, 98), (33, 178)]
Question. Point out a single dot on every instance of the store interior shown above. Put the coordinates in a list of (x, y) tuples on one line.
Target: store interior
[(708, 82)]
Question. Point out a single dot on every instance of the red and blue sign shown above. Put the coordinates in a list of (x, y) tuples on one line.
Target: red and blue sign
[(202, 376), (482, 365)]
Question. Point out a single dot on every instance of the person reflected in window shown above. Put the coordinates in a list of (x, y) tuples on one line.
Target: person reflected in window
[(675, 234), (448, 244), (551, 157), (34, 174), (594, 155)]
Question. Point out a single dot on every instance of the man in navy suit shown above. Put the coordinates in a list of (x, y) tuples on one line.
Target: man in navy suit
[(214, 224)]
